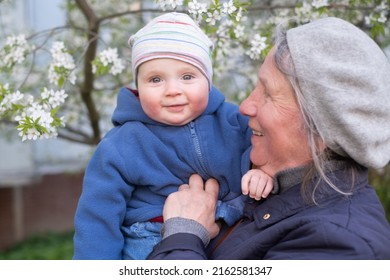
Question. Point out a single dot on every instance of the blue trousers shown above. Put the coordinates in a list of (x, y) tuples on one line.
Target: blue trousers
[(140, 238)]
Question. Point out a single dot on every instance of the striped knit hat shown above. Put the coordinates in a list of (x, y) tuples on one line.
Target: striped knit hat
[(172, 35)]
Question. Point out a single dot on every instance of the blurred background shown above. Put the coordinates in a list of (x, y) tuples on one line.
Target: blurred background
[(40, 181)]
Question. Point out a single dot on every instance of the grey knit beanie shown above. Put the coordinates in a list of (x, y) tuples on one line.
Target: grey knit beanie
[(345, 78)]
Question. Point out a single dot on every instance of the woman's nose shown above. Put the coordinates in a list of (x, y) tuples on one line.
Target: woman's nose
[(247, 108)]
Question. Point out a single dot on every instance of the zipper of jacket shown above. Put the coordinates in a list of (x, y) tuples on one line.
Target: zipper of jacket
[(198, 151)]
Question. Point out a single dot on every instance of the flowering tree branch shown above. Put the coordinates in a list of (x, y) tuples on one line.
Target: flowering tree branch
[(88, 61)]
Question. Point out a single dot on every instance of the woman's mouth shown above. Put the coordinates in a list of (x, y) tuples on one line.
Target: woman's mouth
[(257, 133)]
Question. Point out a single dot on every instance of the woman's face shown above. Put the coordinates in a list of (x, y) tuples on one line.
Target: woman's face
[(279, 140)]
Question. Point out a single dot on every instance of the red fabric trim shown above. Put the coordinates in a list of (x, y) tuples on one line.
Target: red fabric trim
[(159, 219)]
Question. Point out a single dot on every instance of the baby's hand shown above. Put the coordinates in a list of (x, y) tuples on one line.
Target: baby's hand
[(256, 184)]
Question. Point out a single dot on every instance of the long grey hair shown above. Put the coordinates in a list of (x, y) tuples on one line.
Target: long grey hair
[(320, 156)]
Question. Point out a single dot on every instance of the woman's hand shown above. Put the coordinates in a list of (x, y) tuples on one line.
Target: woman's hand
[(196, 201)]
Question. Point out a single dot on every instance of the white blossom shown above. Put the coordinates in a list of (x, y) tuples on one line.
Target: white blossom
[(109, 57), (15, 50), (53, 75), (4, 87), (34, 114), (164, 4), (31, 134), (35, 118), (379, 15), (383, 9), (229, 8), (62, 65), (239, 31), (117, 67), (213, 17), (258, 44), (304, 12), (223, 46), (282, 16), (11, 99), (383, 6), (197, 9), (319, 3), (223, 29), (53, 99), (383, 17)]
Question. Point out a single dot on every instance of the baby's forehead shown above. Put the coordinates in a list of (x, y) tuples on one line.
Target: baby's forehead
[(165, 65)]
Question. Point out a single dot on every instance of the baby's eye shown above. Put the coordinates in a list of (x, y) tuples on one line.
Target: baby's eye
[(155, 80), (187, 77)]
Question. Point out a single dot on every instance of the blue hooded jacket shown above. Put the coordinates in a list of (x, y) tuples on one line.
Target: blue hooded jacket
[(140, 162)]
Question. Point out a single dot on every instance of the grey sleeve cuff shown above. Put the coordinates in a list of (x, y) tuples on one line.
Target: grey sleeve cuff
[(183, 225)]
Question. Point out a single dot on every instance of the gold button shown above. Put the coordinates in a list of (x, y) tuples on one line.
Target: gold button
[(266, 216)]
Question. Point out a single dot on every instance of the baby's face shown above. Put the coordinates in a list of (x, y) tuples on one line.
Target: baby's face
[(172, 91)]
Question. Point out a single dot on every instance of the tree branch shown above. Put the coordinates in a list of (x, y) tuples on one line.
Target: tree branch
[(116, 15), (75, 138), (90, 54)]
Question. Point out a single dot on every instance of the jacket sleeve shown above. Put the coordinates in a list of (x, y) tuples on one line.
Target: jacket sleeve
[(102, 206), (180, 246), (185, 244)]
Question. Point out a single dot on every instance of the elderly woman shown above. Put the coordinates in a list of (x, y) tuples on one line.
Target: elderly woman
[(320, 115)]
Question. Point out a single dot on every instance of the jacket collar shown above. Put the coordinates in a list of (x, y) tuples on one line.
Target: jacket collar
[(287, 200), (288, 178)]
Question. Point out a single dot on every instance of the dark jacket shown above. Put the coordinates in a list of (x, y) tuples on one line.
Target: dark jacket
[(284, 226)]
